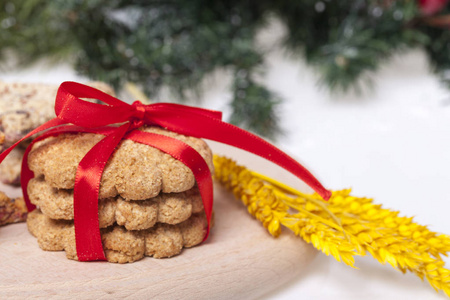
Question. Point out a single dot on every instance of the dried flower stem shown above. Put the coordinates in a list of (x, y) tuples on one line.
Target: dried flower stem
[(344, 226)]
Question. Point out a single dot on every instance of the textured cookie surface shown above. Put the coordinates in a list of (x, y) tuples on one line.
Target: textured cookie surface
[(135, 171), (25, 106), (120, 245), (170, 208), (11, 166)]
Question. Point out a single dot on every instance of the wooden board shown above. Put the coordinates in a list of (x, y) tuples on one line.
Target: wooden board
[(239, 260)]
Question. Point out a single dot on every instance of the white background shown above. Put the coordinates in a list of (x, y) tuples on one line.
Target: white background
[(390, 143)]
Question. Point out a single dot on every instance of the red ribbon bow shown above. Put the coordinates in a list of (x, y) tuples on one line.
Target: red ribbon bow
[(98, 118)]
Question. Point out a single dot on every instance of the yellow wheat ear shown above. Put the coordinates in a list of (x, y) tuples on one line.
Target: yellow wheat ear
[(344, 227)]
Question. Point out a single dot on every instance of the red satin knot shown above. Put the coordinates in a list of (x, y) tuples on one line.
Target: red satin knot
[(137, 119), (139, 112)]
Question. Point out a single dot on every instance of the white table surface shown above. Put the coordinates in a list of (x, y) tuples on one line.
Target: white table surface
[(392, 144)]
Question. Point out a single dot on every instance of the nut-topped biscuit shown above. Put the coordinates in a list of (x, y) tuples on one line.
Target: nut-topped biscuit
[(121, 245), (135, 171), (25, 106), (12, 210), (172, 208)]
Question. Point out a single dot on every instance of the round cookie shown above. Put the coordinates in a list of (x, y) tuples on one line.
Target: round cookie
[(120, 245), (171, 208), (135, 171), (25, 106), (12, 210)]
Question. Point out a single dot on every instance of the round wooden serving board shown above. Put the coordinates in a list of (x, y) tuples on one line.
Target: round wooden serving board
[(239, 260)]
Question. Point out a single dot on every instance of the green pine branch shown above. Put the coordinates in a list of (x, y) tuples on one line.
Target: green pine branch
[(178, 43)]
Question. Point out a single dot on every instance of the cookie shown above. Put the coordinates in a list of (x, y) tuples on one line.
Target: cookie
[(121, 245), (135, 171), (25, 106), (170, 208), (12, 210), (11, 166), (2, 140)]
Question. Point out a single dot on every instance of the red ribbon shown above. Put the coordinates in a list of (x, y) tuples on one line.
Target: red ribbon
[(97, 118)]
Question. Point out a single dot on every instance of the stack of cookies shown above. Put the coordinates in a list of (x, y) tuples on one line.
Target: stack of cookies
[(23, 107), (149, 204)]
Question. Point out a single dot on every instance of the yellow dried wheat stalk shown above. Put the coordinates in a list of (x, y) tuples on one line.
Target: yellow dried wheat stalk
[(344, 226)]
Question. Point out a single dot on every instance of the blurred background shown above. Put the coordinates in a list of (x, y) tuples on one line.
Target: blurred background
[(358, 91)]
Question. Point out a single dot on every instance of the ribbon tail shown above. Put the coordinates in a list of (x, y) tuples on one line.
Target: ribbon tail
[(217, 130), (188, 156), (87, 185)]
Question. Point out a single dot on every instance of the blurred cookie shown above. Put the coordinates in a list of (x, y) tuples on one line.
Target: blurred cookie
[(11, 166), (2, 140), (25, 106), (11, 210)]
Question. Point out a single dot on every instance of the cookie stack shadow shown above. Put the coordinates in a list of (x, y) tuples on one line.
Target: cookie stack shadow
[(149, 203)]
